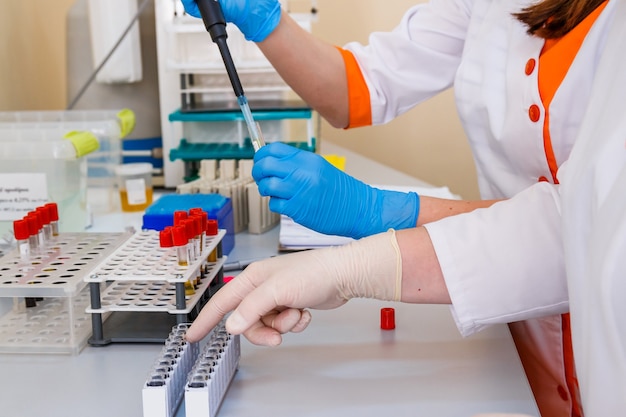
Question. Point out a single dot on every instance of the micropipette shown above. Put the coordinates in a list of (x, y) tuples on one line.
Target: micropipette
[(215, 24)]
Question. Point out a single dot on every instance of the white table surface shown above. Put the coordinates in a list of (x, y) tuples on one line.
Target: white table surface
[(343, 365)]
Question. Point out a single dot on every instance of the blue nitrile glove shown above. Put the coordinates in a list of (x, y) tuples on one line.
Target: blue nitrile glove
[(256, 19), (315, 194)]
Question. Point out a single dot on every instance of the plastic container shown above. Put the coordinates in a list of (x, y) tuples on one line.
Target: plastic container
[(135, 185), (37, 166), (108, 126)]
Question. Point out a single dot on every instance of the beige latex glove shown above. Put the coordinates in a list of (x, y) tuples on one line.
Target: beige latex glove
[(269, 297)]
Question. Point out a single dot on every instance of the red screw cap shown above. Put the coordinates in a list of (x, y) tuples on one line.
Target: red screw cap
[(387, 318), (33, 225), (44, 214), (53, 211), (179, 216), (21, 230), (211, 227), (165, 238), (179, 235), (37, 217)]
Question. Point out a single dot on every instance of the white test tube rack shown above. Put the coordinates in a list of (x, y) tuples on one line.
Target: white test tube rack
[(52, 279), (142, 277), (201, 376)]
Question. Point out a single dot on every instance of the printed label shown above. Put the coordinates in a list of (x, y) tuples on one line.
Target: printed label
[(21, 193), (136, 190)]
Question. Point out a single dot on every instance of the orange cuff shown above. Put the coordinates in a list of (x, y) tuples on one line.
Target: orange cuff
[(358, 93)]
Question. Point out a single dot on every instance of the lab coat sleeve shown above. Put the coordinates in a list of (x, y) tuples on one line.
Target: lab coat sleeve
[(415, 61), (504, 263)]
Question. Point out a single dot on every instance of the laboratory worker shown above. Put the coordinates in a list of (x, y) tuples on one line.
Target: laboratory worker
[(586, 220), (522, 73)]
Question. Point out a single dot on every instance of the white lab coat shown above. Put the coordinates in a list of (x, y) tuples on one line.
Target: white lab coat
[(591, 203), (447, 43), (594, 230)]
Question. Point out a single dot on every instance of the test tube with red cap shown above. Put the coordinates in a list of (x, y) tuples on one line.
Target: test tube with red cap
[(198, 212), (212, 230), (53, 211), (22, 234), (40, 236), (193, 231), (197, 227), (44, 214), (180, 240), (33, 233), (191, 245)]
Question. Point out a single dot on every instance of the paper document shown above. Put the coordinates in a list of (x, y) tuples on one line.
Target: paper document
[(293, 236)]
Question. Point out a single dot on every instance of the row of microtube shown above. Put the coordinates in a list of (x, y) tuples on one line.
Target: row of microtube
[(211, 375), (36, 230), (164, 387), (181, 369), (189, 235)]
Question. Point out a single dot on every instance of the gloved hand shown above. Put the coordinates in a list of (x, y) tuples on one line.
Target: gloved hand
[(255, 18), (315, 194), (269, 297)]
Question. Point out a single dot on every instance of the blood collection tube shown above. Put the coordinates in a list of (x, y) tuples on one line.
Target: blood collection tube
[(53, 211), (39, 235), (22, 233), (190, 227), (197, 227), (44, 214), (193, 233), (198, 212), (180, 240), (199, 235), (212, 230), (33, 233), (181, 243)]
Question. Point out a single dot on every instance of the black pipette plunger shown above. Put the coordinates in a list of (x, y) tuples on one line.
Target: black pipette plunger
[(215, 24)]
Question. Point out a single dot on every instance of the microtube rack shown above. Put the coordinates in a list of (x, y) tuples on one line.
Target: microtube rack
[(212, 374), (165, 385), (142, 277), (49, 294), (233, 179), (185, 370)]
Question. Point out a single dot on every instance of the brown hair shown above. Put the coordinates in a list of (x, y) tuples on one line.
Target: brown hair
[(551, 19)]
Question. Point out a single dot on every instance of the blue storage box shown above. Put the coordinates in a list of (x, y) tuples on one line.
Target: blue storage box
[(161, 213)]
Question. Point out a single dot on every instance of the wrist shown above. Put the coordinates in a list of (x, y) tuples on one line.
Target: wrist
[(384, 210), (271, 20), (371, 268)]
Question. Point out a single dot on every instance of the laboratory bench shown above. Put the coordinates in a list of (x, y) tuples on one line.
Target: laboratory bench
[(343, 364)]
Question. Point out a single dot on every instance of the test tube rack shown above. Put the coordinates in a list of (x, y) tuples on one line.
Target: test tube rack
[(212, 373), (233, 179), (140, 277), (200, 375), (52, 280)]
